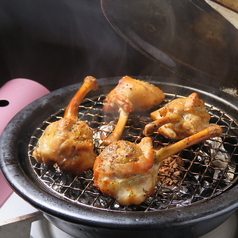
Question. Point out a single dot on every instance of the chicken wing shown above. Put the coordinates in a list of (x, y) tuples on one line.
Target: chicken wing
[(179, 118), (128, 172), (130, 95), (69, 142)]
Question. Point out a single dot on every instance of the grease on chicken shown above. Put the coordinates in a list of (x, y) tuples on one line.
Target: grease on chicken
[(69, 142), (179, 118), (128, 96)]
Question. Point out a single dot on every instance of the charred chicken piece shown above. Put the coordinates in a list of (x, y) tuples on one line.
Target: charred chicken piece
[(69, 142), (179, 118), (128, 171), (128, 96)]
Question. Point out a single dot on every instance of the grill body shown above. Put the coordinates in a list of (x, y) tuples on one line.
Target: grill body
[(176, 230)]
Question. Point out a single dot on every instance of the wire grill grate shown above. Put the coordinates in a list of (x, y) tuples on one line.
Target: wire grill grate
[(207, 169)]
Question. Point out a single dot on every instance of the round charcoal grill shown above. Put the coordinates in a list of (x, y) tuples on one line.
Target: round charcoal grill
[(208, 168), (190, 199)]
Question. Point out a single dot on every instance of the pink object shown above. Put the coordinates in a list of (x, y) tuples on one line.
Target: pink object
[(14, 96)]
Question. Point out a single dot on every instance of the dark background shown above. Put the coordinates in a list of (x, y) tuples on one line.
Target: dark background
[(59, 42)]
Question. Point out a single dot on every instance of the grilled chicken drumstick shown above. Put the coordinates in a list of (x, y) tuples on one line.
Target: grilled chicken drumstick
[(128, 172), (179, 118), (69, 142), (130, 95)]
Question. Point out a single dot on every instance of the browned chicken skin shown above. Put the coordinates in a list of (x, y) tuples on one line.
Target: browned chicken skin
[(130, 95), (128, 172), (69, 142), (179, 118)]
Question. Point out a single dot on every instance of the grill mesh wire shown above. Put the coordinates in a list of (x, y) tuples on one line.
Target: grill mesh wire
[(208, 168)]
